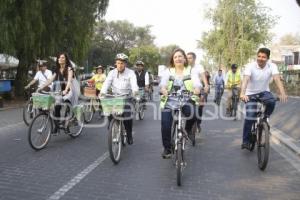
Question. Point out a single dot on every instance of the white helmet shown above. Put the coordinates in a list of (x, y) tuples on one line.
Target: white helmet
[(121, 56)]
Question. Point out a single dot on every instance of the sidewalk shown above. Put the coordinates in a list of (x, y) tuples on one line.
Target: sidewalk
[(13, 104)]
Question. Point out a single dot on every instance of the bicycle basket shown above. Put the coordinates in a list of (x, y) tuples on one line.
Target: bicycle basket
[(42, 101), (78, 110), (113, 105)]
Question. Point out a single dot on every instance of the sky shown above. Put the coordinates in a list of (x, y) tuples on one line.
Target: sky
[(182, 22)]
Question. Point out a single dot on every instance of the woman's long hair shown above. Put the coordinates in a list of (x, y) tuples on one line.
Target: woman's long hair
[(68, 64)]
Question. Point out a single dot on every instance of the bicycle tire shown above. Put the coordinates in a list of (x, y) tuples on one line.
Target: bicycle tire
[(45, 121), (75, 132), (28, 112), (253, 138), (89, 112), (179, 163), (141, 112), (194, 131), (263, 146), (114, 138)]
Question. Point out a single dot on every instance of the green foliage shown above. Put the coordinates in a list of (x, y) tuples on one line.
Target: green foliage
[(240, 27), (114, 37), (166, 52), (290, 39), (32, 29), (148, 54)]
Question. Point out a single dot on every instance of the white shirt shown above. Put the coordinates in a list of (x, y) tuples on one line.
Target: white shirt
[(259, 77), (198, 70), (42, 77), (121, 83)]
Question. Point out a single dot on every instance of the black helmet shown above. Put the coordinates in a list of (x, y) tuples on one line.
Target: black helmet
[(234, 66), (139, 62)]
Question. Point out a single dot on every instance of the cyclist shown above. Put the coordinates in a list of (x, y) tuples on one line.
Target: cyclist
[(233, 79), (198, 70), (98, 79), (219, 84), (122, 81), (42, 76), (257, 76), (64, 80), (178, 70), (142, 77)]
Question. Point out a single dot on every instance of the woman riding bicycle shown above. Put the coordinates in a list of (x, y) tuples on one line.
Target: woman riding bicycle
[(178, 70), (64, 80), (98, 79)]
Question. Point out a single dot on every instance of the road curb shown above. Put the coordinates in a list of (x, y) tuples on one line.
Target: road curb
[(13, 107), (286, 140)]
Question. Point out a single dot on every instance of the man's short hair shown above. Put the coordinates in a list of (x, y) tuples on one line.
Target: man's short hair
[(192, 53), (265, 51)]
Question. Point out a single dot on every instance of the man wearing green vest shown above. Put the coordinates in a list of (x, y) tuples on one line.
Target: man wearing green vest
[(233, 79)]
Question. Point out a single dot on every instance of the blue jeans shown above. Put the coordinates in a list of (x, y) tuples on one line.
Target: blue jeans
[(167, 120), (251, 111)]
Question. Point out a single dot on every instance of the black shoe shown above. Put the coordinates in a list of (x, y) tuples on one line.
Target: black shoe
[(130, 140), (166, 154), (55, 130), (245, 146), (191, 136), (67, 130)]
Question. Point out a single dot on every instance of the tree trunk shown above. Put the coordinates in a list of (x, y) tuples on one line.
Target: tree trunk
[(22, 75)]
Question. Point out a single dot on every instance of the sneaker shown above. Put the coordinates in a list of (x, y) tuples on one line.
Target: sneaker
[(130, 140), (245, 146), (166, 154)]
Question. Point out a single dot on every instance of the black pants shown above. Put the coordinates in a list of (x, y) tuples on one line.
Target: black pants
[(57, 109)]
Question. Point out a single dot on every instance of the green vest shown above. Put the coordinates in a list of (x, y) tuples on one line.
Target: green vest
[(233, 79), (187, 83)]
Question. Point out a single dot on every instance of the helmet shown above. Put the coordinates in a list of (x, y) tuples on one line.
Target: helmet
[(121, 56), (234, 66), (139, 62)]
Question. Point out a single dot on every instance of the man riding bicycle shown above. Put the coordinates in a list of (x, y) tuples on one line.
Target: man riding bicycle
[(255, 84), (142, 77), (42, 76), (219, 84), (122, 81), (199, 71), (233, 79)]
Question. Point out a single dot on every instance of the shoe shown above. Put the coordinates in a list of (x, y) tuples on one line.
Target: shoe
[(55, 130), (191, 136), (130, 140), (166, 154), (245, 146)]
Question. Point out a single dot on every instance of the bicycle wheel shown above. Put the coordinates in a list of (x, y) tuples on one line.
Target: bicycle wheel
[(234, 107), (39, 131), (89, 112), (28, 112), (263, 145), (194, 131), (252, 138), (141, 112), (115, 141), (76, 126), (179, 163)]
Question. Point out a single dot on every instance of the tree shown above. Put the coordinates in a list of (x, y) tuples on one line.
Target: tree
[(38, 29), (114, 37), (166, 52), (290, 39), (148, 54), (240, 27)]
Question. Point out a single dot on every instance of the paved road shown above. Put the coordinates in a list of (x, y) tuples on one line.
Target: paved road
[(81, 169)]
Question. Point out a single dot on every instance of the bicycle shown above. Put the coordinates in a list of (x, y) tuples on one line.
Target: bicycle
[(90, 108), (28, 111), (179, 136), (113, 107), (41, 127), (219, 94), (235, 101), (260, 135), (140, 104)]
